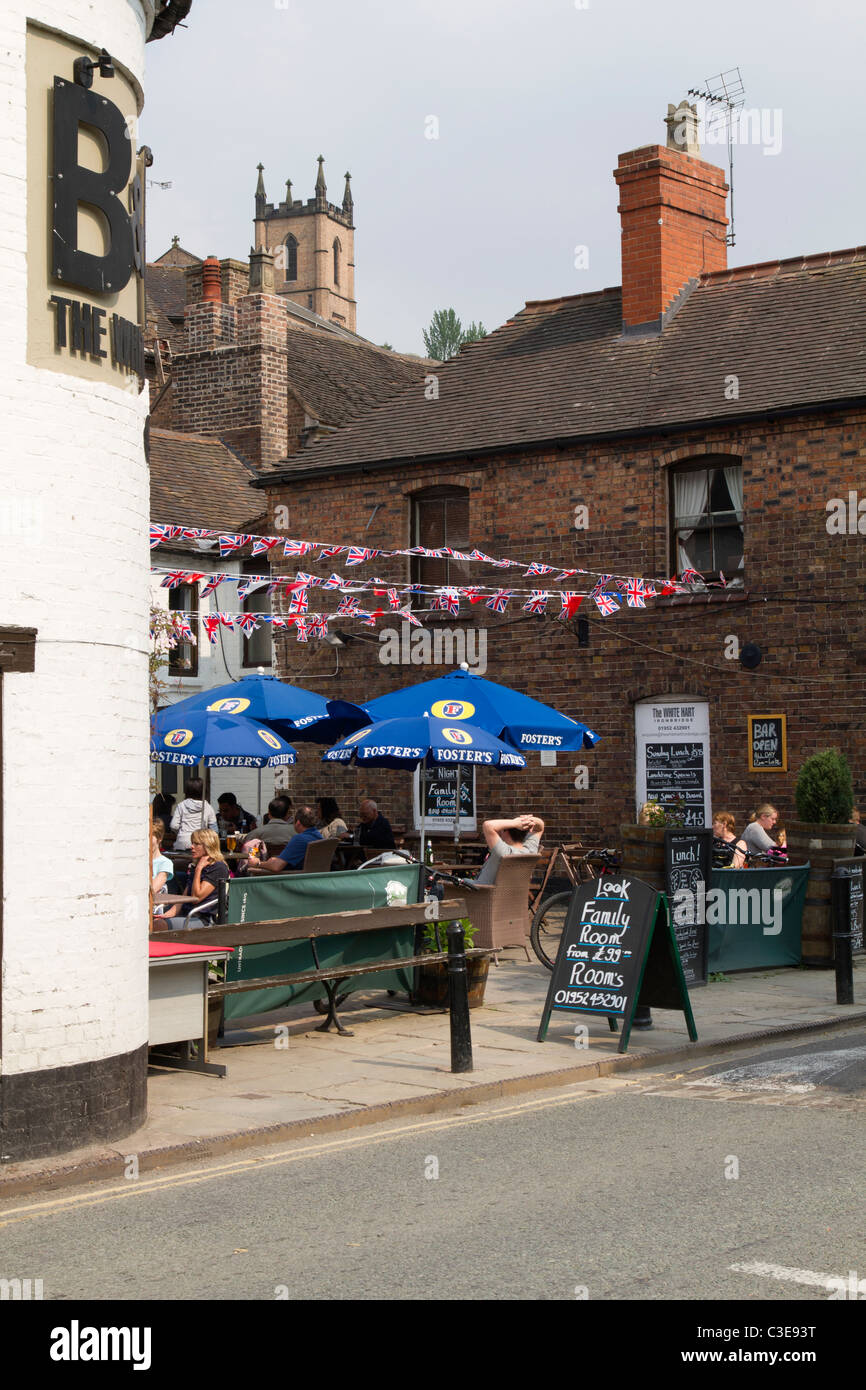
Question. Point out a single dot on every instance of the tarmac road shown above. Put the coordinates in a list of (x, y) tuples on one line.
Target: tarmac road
[(741, 1178)]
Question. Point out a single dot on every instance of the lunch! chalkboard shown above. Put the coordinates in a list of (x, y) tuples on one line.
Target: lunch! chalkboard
[(848, 880), (675, 773), (688, 855), (617, 951), (768, 742)]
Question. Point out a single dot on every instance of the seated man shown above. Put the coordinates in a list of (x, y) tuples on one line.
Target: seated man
[(375, 831), (232, 819), (519, 836), (278, 828), (292, 857)]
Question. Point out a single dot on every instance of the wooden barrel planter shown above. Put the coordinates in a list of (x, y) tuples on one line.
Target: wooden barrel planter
[(820, 846), (433, 983), (643, 853)]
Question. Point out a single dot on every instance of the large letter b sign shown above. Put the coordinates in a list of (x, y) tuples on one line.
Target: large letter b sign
[(74, 184)]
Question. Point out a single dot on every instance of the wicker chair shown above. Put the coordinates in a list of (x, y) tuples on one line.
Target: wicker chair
[(499, 910), (319, 856)]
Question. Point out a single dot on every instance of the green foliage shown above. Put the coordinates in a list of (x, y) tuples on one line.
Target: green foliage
[(429, 944), (446, 335), (718, 977), (824, 794)]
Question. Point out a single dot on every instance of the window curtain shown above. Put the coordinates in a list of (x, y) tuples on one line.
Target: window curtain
[(690, 504), (734, 480)]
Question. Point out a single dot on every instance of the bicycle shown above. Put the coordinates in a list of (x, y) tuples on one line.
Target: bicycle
[(549, 918)]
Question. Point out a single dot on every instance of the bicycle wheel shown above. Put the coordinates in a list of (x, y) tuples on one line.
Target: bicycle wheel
[(547, 927)]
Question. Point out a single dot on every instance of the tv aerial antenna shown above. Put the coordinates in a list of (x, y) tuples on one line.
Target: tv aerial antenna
[(153, 183), (724, 95)]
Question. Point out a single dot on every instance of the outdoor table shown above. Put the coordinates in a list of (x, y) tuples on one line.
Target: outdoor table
[(177, 1001), (170, 899)]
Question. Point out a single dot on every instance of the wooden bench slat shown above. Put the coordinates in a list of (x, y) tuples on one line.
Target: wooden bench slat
[(332, 924), (222, 988)]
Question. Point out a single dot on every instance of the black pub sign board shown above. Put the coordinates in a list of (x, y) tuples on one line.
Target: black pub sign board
[(688, 857), (768, 742), (617, 952)]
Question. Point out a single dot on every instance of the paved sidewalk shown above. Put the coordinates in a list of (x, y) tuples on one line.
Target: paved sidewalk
[(300, 1082)]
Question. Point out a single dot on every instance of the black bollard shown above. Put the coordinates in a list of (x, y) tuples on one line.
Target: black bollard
[(840, 888), (458, 1000), (642, 1017)]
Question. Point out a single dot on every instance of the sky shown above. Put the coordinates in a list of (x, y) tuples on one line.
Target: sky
[(533, 101)]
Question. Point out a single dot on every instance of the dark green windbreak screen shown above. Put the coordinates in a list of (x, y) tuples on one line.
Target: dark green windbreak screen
[(307, 895)]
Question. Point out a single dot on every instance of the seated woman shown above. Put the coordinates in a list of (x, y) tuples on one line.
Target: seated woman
[(206, 872), (162, 868), (331, 823), (723, 829)]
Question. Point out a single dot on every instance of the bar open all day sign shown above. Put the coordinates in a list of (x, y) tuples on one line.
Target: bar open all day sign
[(768, 743)]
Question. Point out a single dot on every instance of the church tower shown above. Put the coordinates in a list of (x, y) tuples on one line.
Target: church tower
[(314, 245)]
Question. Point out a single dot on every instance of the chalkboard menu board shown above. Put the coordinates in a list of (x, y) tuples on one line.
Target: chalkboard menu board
[(675, 774), (768, 743), (850, 873), (439, 786), (617, 951), (688, 857)]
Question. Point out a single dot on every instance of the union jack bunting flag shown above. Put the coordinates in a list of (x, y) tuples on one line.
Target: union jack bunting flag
[(450, 600), (184, 630), (570, 604), (367, 619), (453, 554), (175, 578), (412, 589), (348, 607), (394, 598), (537, 568), (335, 582), (229, 545), (473, 595), (157, 534), (424, 552), (410, 618), (357, 554), (567, 574), (330, 552), (299, 602), (600, 584), (689, 576), (213, 582), (607, 604), (668, 587), (318, 626), (195, 533), (498, 602), (537, 601), (297, 547), (249, 583), (264, 543), (301, 578), (247, 622), (226, 619), (302, 629), (273, 586), (649, 589), (723, 580), (635, 594), (211, 623), (279, 622)]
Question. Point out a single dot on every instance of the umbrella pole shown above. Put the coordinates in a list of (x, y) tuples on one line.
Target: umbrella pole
[(422, 774)]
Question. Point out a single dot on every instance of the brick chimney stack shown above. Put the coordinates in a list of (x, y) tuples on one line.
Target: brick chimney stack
[(674, 224)]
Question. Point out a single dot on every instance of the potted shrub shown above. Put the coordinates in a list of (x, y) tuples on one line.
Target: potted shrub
[(822, 835), (432, 988), (643, 845)]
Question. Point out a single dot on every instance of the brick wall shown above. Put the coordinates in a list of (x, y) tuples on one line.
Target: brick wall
[(802, 606)]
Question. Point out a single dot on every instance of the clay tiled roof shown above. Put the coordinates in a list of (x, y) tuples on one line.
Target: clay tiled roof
[(199, 482), (793, 332), (337, 379), (165, 286)]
